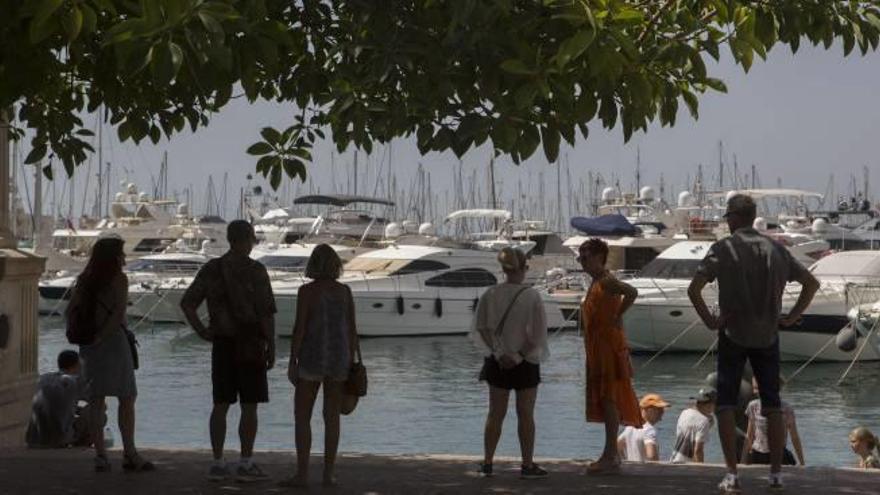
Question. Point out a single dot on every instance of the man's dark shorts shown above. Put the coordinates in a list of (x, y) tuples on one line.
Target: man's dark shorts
[(523, 376), (233, 381), (765, 365)]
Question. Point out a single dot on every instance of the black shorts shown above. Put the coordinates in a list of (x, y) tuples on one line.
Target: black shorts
[(233, 381), (765, 366), (523, 376), (764, 458)]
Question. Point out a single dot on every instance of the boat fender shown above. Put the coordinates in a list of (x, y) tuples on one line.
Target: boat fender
[(847, 338), (476, 302), (400, 305), (438, 307)]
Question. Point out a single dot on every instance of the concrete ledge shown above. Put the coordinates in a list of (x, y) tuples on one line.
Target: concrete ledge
[(182, 471), (15, 407)]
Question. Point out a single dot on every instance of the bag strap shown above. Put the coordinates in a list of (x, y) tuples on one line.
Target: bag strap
[(500, 328)]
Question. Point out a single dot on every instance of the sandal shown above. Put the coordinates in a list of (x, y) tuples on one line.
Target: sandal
[(137, 463), (102, 464)]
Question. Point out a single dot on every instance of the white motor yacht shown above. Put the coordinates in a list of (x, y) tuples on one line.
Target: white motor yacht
[(143, 274), (409, 290), (664, 318)]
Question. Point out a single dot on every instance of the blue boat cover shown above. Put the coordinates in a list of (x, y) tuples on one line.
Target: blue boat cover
[(611, 224)]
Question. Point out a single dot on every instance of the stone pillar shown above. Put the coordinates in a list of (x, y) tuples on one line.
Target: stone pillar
[(19, 326)]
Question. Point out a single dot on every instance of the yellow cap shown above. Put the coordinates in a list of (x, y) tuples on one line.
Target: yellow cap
[(653, 400)]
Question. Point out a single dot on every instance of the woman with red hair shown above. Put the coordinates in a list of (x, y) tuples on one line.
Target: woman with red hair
[(610, 396)]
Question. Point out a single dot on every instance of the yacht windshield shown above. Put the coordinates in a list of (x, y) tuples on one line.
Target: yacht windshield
[(170, 266), (670, 268), (387, 267), (284, 263)]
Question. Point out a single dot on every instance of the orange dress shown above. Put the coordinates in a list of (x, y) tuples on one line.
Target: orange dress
[(609, 370)]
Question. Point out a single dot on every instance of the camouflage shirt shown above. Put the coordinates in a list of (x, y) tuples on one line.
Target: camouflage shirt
[(238, 293)]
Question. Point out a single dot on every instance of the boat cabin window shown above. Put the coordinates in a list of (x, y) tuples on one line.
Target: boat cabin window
[(284, 263), (670, 268), (466, 277), (418, 266), (153, 245)]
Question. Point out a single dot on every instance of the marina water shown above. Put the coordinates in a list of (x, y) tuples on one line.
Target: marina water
[(424, 397)]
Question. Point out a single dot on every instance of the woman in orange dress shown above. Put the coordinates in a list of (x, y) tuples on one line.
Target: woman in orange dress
[(610, 398)]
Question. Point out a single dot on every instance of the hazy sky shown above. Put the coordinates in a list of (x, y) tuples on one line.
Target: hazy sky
[(800, 117)]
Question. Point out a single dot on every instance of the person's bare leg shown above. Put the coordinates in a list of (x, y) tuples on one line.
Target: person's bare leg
[(217, 427), (126, 420), (776, 439), (498, 398), (332, 408), (727, 435), (612, 427), (303, 403), (525, 417), (247, 429), (96, 410)]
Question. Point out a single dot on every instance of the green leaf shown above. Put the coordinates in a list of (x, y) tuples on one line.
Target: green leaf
[(155, 134), (550, 140), (90, 18), (72, 22), (264, 164), (271, 135), (528, 142), (259, 148), (48, 173), (163, 64), (84, 132), (37, 153), (295, 168), (629, 17), (275, 177), (210, 22), (574, 47), (716, 84), (524, 97), (690, 100), (608, 112), (517, 67), (40, 26)]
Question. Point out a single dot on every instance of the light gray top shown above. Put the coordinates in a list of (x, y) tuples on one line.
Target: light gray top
[(752, 271)]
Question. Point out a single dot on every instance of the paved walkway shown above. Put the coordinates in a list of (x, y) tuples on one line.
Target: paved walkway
[(69, 472)]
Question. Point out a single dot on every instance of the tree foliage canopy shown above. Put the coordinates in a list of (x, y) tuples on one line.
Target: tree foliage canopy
[(456, 73)]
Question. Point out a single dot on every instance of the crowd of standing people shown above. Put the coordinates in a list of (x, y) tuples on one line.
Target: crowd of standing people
[(509, 326)]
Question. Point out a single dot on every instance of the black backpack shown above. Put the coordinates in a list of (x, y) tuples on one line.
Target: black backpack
[(81, 325)]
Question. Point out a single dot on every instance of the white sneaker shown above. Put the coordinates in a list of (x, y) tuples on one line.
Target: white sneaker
[(730, 484), (775, 481)]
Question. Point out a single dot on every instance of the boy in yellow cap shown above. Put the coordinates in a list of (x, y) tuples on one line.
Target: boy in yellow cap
[(640, 444)]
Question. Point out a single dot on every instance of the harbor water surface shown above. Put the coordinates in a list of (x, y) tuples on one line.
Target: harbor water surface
[(424, 397)]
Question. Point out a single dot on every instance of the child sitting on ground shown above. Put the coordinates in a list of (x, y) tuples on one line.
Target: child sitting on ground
[(640, 444), (694, 425), (867, 446)]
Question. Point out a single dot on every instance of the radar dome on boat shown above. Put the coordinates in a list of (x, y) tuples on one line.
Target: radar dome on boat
[(729, 195), (118, 197), (183, 209), (143, 197), (608, 194), (393, 230), (820, 225), (685, 199), (646, 194), (760, 224), (426, 228), (131, 188)]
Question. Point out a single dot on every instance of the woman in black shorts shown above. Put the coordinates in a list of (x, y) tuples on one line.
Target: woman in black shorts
[(510, 326)]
